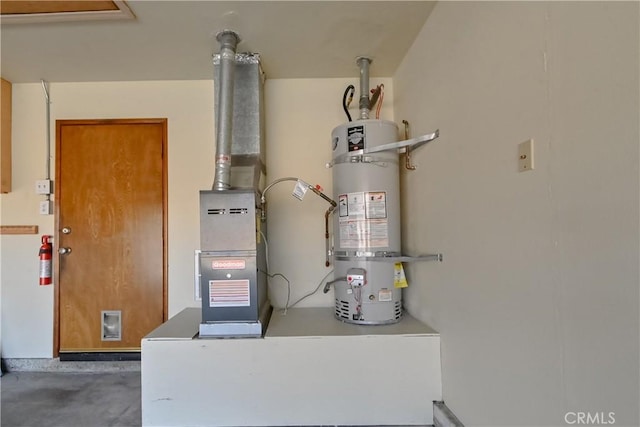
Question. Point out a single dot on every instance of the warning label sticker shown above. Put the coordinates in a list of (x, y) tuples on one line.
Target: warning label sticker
[(363, 220), (229, 293), (372, 233), (355, 205), (343, 206), (385, 295), (376, 205)]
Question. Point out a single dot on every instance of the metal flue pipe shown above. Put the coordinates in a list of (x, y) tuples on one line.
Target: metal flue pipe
[(224, 116), (363, 63)]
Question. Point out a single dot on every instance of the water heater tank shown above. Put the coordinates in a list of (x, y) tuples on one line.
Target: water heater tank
[(366, 222)]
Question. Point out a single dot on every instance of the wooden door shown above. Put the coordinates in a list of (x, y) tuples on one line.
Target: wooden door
[(111, 214)]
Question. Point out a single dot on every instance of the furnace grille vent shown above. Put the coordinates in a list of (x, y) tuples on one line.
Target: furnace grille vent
[(231, 211)]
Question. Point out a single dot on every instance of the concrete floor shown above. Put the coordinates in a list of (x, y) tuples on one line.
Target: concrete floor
[(72, 399), (54, 399)]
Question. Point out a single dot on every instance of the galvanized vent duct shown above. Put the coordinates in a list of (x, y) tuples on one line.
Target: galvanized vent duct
[(224, 109), (364, 63), (244, 165)]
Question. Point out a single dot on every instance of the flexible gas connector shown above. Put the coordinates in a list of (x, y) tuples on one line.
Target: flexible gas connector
[(263, 199), (317, 190), (346, 102), (327, 214)]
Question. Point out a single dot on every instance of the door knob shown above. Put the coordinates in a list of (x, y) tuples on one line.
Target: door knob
[(66, 230), (64, 251)]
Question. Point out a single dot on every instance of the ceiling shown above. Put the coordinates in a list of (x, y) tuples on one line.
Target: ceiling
[(174, 40)]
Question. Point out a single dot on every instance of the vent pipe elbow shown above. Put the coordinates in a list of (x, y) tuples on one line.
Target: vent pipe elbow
[(224, 116), (364, 63)]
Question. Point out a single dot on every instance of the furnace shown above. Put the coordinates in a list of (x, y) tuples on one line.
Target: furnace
[(232, 257)]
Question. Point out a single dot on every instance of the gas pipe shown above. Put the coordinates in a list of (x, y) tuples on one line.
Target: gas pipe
[(46, 251)]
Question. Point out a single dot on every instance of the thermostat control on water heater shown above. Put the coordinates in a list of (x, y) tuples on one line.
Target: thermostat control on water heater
[(356, 277)]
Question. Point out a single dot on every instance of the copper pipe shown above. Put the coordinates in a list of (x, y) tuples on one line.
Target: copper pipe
[(407, 158)]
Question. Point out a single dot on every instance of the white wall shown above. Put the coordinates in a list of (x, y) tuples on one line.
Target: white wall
[(537, 297), (299, 115), (26, 308)]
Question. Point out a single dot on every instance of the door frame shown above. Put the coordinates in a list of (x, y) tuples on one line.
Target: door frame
[(56, 264)]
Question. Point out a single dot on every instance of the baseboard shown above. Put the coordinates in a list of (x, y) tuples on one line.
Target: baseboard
[(110, 356), (55, 365)]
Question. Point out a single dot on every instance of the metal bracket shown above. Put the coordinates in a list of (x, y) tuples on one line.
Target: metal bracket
[(401, 146), (384, 257)]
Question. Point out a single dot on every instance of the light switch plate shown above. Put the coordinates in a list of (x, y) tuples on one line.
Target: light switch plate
[(525, 156)]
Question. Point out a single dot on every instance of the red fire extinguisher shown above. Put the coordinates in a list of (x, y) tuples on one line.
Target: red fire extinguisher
[(46, 251)]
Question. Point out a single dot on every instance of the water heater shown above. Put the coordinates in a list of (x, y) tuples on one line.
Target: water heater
[(366, 222), (367, 238)]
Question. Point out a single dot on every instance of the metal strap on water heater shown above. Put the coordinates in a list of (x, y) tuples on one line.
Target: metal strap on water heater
[(402, 145), (383, 256), (359, 158), (368, 254)]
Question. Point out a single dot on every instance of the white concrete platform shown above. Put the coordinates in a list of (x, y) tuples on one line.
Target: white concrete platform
[(309, 369)]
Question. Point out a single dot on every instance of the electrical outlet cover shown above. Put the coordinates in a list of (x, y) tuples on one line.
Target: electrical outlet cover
[(45, 207), (525, 156), (43, 186)]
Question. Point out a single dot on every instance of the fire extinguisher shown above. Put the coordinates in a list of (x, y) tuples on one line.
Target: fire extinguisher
[(46, 252)]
